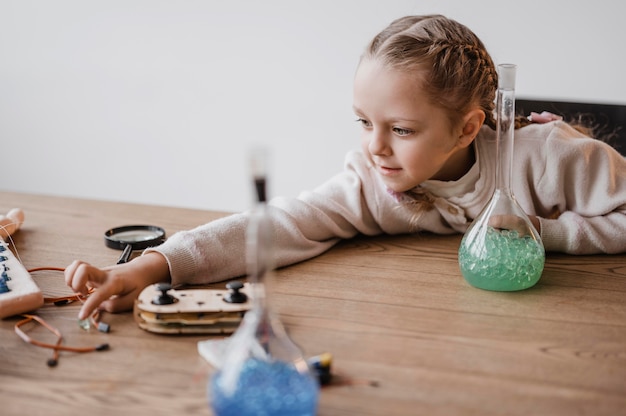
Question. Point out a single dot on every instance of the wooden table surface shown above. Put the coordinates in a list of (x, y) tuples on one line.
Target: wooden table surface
[(408, 335)]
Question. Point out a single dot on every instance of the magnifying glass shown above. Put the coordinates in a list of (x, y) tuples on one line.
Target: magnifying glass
[(133, 237)]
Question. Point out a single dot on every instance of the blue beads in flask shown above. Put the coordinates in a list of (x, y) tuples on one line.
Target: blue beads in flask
[(266, 388)]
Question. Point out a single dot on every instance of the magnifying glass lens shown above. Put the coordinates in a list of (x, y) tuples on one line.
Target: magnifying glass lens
[(135, 236)]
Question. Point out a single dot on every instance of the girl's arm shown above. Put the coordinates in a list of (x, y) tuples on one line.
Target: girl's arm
[(304, 227), (585, 182)]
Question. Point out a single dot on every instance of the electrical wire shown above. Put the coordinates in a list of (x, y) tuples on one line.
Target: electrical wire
[(56, 347), (94, 320)]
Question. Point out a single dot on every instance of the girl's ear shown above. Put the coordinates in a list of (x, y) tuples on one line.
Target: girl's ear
[(472, 122)]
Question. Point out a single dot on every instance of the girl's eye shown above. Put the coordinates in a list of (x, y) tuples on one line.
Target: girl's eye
[(363, 122), (402, 132)]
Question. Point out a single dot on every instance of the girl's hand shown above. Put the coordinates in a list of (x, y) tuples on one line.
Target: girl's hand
[(117, 286), (543, 117)]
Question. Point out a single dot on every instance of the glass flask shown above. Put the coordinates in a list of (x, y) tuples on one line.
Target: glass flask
[(502, 250), (263, 372)]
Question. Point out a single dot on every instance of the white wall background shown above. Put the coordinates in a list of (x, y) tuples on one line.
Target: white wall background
[(157, 101)]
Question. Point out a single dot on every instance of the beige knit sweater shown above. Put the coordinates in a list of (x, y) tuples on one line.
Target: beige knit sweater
[(556, 170)]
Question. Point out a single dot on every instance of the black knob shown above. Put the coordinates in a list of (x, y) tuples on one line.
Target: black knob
[(235, 296), (164, 298)]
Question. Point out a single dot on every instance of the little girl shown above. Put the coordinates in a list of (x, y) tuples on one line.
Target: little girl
[(424, 94)]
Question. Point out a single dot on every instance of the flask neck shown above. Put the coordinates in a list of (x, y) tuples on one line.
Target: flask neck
[(259, 255), (260, 302), (505, 128)]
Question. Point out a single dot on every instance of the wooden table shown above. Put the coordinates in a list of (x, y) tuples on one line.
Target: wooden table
[(408, 335)]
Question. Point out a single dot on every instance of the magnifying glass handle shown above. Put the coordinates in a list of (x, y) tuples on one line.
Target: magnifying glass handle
[(125, 254)]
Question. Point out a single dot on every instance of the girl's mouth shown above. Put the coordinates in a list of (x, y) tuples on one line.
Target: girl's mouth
[(387, 171)]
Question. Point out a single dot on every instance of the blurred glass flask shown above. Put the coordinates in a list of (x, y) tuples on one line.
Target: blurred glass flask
[(264, 372)]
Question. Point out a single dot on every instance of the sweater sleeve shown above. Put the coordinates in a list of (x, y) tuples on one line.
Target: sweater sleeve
[(304, 227), (584, 184)]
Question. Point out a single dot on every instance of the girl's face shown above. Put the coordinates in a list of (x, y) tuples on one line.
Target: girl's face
[(406, 138)]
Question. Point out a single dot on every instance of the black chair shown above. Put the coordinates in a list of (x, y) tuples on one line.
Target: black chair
[(608, 121)]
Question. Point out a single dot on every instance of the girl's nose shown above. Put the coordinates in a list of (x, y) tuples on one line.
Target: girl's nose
[(378, 144)]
